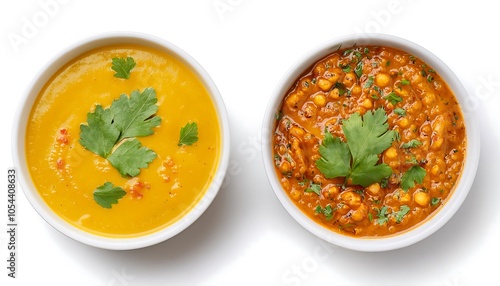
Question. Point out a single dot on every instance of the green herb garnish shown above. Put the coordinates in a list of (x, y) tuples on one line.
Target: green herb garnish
[(130, 156), (369, 82), (399, 111), (393, 98), (188, 134), (414, 174), (403, 210), (356, 160), (405, 82), (435, 201), (326, 211), (122, 67), (359, 69), (107, 194), (314, 188), (128, 117), (382, 216), (414, 143)]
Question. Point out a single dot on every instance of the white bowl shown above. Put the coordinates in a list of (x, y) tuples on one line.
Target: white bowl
[(457, 196), (19, 134)]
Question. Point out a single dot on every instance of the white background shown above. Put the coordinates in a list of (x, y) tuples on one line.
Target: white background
[(246, 237)]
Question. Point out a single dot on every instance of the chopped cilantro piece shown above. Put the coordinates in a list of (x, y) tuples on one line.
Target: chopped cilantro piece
[(393, 98), (107, 195), (122, 67), (414, 174), (413, 143), (188, 134)]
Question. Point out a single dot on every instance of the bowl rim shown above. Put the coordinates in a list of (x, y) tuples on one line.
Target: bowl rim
[(438, 218), (31, 93)]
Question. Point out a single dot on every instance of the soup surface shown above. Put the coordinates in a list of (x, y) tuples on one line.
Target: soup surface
[(370, 141), (165, 187)]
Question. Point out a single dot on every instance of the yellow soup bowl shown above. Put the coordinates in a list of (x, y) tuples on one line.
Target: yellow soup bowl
[(122, 141)]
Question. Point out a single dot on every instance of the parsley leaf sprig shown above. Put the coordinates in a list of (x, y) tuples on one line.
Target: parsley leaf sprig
[(122, 67), (127, 118), (107, 194), (188, 134), (356, 159)]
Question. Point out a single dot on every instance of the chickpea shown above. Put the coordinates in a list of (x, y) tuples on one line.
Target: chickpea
[(295, 194), (285, 167), (309, 110), (402, 196), (335, 75), (429, 98), (416, 79), (360, 213), (421, 198), (305, 84), (367, 103), (404, 122), (351, 198), (324, 84), (382, 80), (349, 79), (332, 192), (319, 100), (391, 153), (356, 90), (435, 170), (437, 142), (319, 70), (373, 189), (335, 93), (415, 107), (292, 101), (297, 132)]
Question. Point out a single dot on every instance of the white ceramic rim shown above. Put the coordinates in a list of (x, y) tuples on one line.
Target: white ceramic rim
[(457, 197), (21, 119)]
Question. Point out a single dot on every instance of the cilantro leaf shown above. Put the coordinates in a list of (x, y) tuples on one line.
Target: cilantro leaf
[(393, 98), (366, 172), (414, 143), (414, 174), (122, 67), (314, 188), (369, 82), (382, 215), (107, 194), (399, 111), (130, 156), (326, 211), (133, 116), (403, 210), (99, 136), (367, 135), (435, 201), (335, 157), (359, 69), (188, 134), (126, 118), (405, 82)]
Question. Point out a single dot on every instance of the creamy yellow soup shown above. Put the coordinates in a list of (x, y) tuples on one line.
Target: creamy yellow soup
[(66, 174)]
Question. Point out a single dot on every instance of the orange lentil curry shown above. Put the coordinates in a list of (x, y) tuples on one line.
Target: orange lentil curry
[(369, 142)]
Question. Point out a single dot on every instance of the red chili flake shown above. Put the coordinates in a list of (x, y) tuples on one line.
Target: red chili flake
[(60, 163), (63, 138)]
